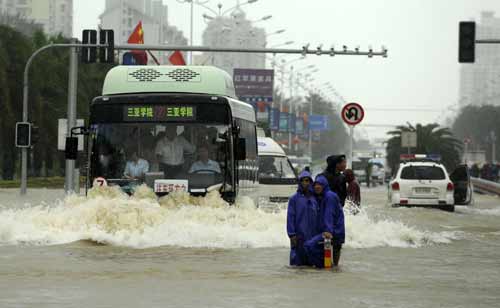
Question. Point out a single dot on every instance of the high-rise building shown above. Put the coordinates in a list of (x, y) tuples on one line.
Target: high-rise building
[(233, 31), (480, 81), (123, 15), (55, 16)]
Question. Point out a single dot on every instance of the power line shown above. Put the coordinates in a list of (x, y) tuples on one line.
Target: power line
[(405, 109)]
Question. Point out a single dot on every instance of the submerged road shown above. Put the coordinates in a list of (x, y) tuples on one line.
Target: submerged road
[(111, 251)]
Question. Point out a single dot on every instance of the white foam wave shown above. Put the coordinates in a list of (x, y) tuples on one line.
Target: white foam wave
[(111, 217), (363, 231), (472, 210)]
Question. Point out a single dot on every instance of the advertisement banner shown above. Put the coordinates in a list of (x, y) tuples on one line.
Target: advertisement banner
[(254, 83), (284, 119), (255, 86), (299, 126), (318, 123), (274, 119)]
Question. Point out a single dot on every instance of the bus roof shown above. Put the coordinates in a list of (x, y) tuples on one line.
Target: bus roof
[(124, 79)]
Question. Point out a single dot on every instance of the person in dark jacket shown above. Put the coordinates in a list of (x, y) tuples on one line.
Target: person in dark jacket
[(302, 219), (353, 190), (331, 224), (336, 164)]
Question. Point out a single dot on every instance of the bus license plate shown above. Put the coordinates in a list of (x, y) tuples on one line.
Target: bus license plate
[(168, 186)]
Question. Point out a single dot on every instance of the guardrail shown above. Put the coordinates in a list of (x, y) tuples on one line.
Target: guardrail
[(482, 185)]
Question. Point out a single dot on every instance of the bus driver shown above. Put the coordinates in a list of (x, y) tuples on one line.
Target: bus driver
[(204, 165), (170, 151)]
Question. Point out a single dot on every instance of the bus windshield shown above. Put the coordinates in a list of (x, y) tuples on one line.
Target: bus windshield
[(165, 156)]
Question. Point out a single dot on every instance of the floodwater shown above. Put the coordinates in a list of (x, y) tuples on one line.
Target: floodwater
[(109, 250)]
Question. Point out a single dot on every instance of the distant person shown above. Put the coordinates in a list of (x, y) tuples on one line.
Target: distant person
[(302, 219), (170, 152), (330, 224), (474, 171), (135, 168), (353, 189), (494, 172), (336, 164), (203, 164), (368, 173)]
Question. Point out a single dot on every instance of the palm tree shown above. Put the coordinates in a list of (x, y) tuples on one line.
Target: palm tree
[(431, 139)]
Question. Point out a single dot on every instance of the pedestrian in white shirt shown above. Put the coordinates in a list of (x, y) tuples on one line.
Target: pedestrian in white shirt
[(204, 165), (136, 168), (170, 152)]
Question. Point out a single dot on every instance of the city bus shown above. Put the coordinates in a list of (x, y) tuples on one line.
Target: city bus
[(191, 112)]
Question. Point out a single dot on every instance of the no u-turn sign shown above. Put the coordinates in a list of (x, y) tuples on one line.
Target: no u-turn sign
[(353, 114)]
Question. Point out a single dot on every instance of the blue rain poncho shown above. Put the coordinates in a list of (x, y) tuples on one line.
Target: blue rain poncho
[(302, 220), (331, 219)]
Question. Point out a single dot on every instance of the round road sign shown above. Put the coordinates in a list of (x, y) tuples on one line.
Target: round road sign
[(353, 114)]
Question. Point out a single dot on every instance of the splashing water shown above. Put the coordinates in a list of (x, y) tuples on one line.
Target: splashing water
[(472, 210), (363, 231), (109, 216)]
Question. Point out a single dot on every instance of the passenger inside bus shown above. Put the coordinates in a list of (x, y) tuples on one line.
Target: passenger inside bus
[(135, 168), (108, 159), (170, 151)]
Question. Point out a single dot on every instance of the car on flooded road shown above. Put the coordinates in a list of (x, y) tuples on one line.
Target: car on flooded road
[(277, 177), (423, 181)]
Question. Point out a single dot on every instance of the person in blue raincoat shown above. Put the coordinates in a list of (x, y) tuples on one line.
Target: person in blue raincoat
[(302, 219), (331, 222)]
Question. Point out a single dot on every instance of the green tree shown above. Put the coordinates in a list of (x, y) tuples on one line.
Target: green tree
[(477, 123), (431, 139), (48, 82)]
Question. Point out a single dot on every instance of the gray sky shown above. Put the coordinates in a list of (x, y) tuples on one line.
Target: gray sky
[(421, 35)]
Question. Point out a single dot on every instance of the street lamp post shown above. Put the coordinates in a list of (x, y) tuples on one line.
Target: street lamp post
[(203, 4), (192, 3)]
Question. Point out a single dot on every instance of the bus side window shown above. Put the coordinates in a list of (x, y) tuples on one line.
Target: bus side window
[(248, 131)]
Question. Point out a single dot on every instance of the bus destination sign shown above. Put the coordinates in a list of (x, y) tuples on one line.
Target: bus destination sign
[(149, 113)]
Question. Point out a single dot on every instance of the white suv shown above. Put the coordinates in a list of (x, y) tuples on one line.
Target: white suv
[(422, 183)]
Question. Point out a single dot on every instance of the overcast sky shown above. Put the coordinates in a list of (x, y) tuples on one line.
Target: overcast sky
[(421, 36)]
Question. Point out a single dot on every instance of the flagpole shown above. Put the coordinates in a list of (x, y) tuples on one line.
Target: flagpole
[(191, 34)]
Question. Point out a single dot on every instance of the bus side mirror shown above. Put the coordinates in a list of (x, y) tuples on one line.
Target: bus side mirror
[(240, 152), (71, 148)]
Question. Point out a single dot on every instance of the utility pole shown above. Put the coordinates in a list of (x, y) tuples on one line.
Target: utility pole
[(72, 94), (191, 33), (290, 112), (493, 138), (310, 132)]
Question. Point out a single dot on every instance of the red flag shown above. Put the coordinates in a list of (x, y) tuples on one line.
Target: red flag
[(176, 58), (137, 37)]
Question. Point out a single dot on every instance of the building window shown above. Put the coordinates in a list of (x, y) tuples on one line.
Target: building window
[(22, 2)]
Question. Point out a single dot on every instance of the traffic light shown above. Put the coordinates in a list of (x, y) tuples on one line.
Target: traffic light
[(467, 42), (35, 136), (89, 54), (23, 134), (107, 54)]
